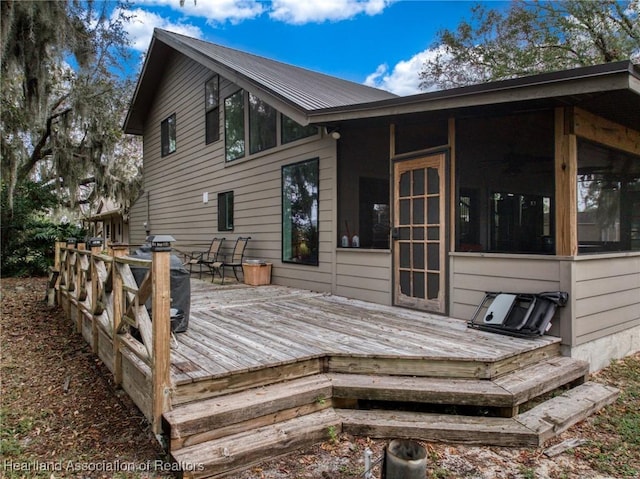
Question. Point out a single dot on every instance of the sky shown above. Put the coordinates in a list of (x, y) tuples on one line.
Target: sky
[(381, 43)]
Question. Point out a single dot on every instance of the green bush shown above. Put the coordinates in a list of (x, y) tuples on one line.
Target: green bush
[(28, 234)]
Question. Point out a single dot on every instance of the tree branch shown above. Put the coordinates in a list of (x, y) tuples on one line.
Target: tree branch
[(39, 151)]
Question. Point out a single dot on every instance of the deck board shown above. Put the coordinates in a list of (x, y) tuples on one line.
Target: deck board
[(236, 328)]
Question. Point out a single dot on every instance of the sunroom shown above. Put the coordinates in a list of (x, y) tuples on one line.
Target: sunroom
[(528, 185)]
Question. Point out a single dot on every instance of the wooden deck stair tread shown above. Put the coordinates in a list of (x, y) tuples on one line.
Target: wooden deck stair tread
[(222, 456), (512, 389), (561, 412), (527, 383), (196, 417), (495, 431), (239, 451), (531, 428), (202, 421)]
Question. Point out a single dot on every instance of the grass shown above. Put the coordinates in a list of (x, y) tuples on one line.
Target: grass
[(333, 434), (616, 451)]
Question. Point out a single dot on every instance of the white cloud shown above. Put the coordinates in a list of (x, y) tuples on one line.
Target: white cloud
[(299, 12), (403, 79), (140, 27), (214, 11)]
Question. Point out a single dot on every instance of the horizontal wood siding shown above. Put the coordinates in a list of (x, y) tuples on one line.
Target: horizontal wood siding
[(473, 275), (176, 183), (364, 275), (137, 218), (607, 292), (604, 290)]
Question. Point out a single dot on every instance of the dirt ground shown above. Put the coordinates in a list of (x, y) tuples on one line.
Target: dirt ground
[(63, 417)]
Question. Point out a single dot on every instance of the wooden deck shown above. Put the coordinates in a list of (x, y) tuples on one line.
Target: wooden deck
[(238, 329), (264, 370)]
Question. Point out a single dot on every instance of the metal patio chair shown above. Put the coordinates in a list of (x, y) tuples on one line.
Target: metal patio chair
[(235, 262), (202, 258)]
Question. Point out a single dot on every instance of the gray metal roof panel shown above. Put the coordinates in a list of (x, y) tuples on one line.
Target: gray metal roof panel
[(307, 89)]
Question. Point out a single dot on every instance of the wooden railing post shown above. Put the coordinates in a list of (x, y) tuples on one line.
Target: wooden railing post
[(161, 327), (118, 250), (70, 281), (96, 247), (78, 286), (53, 291)]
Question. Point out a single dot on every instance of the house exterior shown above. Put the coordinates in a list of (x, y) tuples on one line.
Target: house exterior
[(109, 222), (426, 201)]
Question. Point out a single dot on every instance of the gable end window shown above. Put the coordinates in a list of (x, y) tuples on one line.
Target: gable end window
[(225, 211), (168, 135), (262, 125), (292, 130), (212, 110), (252, 126), (234, 126)]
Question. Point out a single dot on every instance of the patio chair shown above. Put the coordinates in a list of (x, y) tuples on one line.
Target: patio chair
[(201, 258), (235, 262)]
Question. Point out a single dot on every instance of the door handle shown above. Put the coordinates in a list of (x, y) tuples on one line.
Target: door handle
[(395, 233)]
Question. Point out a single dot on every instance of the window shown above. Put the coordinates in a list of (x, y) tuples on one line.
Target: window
[(234, 126), (262, 125), (225, 211), (212, 115), (168, 135), (292, 131), (520, 223), (608, 199), (373, 212), (300, 242), (505, 175), (364, 200)]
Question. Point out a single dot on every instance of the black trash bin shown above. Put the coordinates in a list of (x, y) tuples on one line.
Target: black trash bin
[(180, 288)]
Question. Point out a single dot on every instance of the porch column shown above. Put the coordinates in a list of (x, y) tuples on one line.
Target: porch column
[(566, 174), (161, 332)]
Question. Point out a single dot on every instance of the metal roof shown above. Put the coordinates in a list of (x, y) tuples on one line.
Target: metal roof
[(293, 90), (611, 90), (592, 87)]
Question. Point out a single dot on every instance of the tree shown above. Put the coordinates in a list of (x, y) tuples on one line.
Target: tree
[(533, 37), (63, 101)]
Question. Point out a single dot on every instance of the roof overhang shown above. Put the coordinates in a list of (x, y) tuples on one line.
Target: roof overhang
[(146, 87), (161, 46), (589, 84)]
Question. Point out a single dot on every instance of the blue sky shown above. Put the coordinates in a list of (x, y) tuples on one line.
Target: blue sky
[(382, 43)]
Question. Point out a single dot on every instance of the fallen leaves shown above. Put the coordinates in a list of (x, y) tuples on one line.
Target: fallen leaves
[(59, 403)]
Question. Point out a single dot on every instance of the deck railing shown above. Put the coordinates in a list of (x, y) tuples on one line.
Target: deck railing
[(99, 293)]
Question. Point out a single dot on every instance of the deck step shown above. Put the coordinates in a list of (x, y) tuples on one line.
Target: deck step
[(533, 381), (561, 412), (473, 392), (495, 431), (531, 428), (201, 421), (220, 457), (509, 390), (460, 368)]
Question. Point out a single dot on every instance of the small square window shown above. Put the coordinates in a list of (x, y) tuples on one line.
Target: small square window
[(225, 211), (168, 135), (292, 131)]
